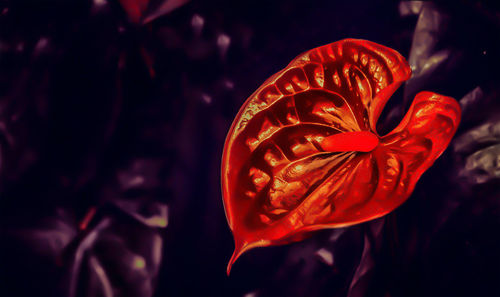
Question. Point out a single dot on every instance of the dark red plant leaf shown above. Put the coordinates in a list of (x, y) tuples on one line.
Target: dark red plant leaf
[(135, 9), (145, 11), (303, 153)]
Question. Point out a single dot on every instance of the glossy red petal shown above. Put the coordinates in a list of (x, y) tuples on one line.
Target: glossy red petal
[(422, 136), (303, 153)]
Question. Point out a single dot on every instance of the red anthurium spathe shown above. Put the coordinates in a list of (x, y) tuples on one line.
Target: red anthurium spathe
[(303, 153)]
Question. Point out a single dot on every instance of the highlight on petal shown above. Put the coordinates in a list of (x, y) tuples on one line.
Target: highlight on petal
[(303, 153)]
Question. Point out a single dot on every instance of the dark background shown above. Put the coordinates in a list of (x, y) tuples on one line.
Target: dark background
[(113, 115)]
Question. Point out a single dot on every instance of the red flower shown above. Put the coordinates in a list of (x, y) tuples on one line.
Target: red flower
[(303, 153)]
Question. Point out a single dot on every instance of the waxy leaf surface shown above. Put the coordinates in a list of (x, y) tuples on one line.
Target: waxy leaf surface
[(303, 152)]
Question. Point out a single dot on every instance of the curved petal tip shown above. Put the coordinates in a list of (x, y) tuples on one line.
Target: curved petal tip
[(239, 249)]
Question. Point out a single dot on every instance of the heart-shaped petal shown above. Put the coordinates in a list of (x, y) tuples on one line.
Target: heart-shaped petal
[(303, 153)]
